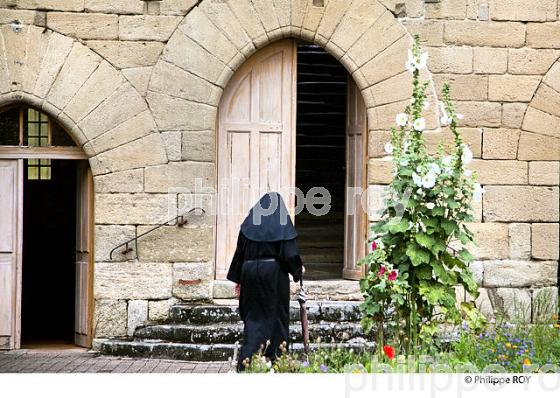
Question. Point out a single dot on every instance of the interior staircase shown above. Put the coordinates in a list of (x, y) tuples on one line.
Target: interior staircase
[(209, 332)]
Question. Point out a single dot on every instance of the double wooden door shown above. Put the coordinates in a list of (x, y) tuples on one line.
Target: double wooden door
[(11, 261), (256, 147)]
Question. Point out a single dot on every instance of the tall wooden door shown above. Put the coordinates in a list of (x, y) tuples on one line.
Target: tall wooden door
[(10, 251), (84, 245), (256, 141), (355, 214)]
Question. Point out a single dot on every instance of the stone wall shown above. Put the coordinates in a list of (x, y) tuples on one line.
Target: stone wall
[(137, 83)]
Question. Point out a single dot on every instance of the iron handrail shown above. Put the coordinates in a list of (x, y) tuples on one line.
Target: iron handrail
[(179, 221)]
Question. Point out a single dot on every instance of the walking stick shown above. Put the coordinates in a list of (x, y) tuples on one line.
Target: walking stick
[(302, 298)]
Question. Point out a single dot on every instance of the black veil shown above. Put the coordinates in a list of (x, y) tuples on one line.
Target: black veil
[(269, 220)]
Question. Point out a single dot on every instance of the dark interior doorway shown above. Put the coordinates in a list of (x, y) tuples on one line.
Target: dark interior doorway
[(320, 157), (49, 247)]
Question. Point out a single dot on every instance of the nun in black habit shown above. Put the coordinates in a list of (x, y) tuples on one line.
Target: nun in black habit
[(266, 253)]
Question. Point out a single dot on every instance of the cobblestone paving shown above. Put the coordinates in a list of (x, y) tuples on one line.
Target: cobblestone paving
[(82, 361)]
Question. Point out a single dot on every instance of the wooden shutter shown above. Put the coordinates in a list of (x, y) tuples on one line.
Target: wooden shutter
[(10, 251), (84, 244), (256, 138), (355, 217)]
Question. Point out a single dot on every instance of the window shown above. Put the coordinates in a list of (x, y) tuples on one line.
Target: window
[(26, 126), (38, 169)]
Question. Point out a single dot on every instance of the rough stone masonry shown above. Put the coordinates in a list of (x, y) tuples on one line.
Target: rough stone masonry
[(137, 84)]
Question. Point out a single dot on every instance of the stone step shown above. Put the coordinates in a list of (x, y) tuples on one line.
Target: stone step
[(329, 311), (233, 332), (200, 352)]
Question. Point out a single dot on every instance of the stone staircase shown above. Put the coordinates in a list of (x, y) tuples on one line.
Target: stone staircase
[(209, 332)]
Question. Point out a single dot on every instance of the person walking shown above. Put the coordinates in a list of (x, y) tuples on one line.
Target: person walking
[(265, 255)]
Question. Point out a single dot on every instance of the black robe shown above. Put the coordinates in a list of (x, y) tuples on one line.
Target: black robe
[(261, 264)]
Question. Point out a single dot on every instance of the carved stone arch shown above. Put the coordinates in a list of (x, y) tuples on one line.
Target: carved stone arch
[(86, 94), (215, 38), (540, 135)]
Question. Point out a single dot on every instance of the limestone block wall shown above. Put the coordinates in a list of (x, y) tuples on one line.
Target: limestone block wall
[(138, 83)]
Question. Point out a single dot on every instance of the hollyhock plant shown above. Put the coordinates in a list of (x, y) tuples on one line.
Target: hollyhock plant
[(422, 235)]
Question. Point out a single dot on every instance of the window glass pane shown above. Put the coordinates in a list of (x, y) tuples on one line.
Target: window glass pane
[(32, 115), (44, 141), (59, 137), (32, 129), (33, 141), (32, 173), (44, 118), (45, 173), (9, 127), (33, 162), (45, 162)]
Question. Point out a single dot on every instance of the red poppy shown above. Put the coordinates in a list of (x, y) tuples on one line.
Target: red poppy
[(389, 351), (392, 275), (373, 246)]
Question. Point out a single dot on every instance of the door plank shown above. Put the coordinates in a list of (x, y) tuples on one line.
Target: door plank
[(256, 138)]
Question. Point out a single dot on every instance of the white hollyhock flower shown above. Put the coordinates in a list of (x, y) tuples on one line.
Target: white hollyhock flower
[(447, 160), (429, 180), (410, 63), (388, 147), (430, 205), (478, 192), (419, 191), (422, 61), (460, 116), (434, 168), (468, 173), (445, 120), (467, 156), (419, 124), (417, 179), (401, 119)]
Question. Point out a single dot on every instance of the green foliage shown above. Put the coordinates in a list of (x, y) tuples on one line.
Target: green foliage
[(422, 235)]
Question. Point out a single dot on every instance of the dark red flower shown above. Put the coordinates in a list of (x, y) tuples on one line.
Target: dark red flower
[(392, 275), (381, 271), (389, 351), (373, 246)]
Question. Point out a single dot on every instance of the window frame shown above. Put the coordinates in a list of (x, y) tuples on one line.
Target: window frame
[(38, 152)]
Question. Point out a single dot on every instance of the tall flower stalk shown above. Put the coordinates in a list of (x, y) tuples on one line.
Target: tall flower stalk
[(422, 235)]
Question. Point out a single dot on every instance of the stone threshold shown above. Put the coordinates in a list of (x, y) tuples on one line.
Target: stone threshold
[(327, 290)]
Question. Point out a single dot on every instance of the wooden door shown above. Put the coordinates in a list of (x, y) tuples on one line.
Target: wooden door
[(355, 216), (256, 141), (84, 245), (11, 217)]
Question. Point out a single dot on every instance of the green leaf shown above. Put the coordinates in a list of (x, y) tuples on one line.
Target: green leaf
[(466, 256), (417, 255), (448, 226), (452, 204), (401, 226), (438, 211), (424, 240), (423, 272)]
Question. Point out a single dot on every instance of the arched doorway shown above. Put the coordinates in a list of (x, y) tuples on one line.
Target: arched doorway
[(292, 116), (46, 239)]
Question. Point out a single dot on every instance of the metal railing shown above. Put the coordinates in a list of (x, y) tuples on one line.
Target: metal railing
[(179, 221)]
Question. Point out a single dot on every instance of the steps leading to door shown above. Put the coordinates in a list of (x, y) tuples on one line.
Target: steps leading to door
[(209, 332)]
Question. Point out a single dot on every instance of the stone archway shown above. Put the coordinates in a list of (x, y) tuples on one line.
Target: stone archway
[(85, 93)]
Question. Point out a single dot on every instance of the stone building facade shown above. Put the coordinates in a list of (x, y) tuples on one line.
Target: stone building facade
[(137, 85)]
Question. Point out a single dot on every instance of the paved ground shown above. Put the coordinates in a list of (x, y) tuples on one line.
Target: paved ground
[(81, 361)]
